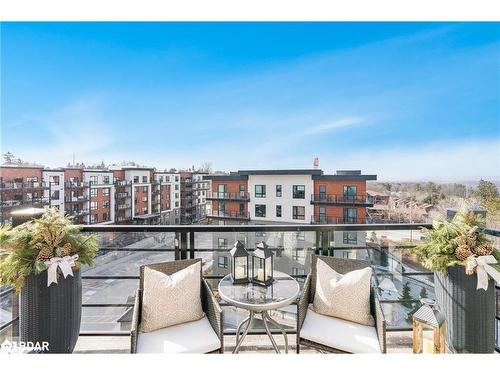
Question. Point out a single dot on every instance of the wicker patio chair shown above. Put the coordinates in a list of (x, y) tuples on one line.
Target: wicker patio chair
[(332, 327), (213, 312)]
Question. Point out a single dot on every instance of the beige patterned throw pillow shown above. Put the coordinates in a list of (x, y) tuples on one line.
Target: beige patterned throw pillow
[(170, 300), (343, 296)]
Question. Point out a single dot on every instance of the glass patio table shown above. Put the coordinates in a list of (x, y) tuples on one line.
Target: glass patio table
[(259, 299)]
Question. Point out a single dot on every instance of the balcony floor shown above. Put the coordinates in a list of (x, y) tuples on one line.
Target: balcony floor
[(397, 342)]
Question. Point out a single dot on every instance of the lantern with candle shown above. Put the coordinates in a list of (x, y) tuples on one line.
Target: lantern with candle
[(429, 329), (262, 265), (239, 263)]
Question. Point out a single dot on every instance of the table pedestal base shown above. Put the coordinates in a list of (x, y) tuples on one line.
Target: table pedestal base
[(266, 319)]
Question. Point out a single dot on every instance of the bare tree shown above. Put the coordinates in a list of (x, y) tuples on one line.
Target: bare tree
[(206, 167)]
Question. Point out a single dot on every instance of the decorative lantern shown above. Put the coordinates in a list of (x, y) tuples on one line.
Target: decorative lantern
[(239, 263), (429, 329), (262, 265)]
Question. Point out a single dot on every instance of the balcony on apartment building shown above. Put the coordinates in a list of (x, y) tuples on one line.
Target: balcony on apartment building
[(75, 185), (76, 213), (24, 186), (241, 196), (110, 286), (35, 202), (75, 199), (340, 200), (322, 219), (238, 215)]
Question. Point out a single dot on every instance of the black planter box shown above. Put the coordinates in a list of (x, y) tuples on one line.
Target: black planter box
[(51, 314), (469, 312)]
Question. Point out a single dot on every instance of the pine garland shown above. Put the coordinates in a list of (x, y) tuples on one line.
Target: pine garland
[(450, 243), (25, 248)]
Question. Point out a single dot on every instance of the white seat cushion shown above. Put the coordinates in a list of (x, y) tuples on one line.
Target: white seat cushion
[(339, 334), (192, 337)]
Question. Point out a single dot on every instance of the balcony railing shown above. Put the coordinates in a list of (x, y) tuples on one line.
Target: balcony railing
[(320, 219), (75, 199), (228, 196), (20, 185), (75, 185), (109, 287), (24, 202), (364, 200), (229, 214)]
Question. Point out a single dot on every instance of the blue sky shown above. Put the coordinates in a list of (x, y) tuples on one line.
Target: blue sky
[(407, 101)]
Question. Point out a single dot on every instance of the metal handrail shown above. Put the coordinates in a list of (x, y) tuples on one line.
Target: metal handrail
[(341, 199)]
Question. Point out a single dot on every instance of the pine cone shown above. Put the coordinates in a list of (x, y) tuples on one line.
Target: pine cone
[(482, 250), (44, 254), (65, 250), (463, 252)]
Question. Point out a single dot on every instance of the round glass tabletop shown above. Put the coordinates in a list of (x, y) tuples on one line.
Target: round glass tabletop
[(282, 292)]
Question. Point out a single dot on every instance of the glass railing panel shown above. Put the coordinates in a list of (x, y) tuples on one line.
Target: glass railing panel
[(106, 319), (398, 315), (125, 262), (7, 300), (109, 291)]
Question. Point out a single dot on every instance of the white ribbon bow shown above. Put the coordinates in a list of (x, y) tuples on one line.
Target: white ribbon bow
[(64, 264), (483, 270)]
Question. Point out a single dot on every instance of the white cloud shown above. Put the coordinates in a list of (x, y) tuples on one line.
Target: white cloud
[(342, 123)]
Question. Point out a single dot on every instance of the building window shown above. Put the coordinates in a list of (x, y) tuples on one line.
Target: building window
[(350, 215), (299, 191), (144, 179), (260, 210), (93, 205), (298, 213), (136, 189), (145, 189), (136, 179), (278, 190), (222, 262), (105, 179), (176, 187), (322, 191), (105, 204), (350, 191), (93, 219), (93, 192), (242, 190), (105, 216), (278, 210), (322, 215), (242, 209), (260, 191), (350, 238), (222, 243), (105, 192)]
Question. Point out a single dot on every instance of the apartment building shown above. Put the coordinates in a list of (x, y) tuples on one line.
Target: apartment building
[(193, 191), (289, 197), (91, 196)]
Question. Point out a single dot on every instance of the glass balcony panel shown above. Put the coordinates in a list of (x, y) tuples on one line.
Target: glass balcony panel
[(106, 319)]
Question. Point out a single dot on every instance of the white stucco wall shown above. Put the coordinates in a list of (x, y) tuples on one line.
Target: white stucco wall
[(286, 200)]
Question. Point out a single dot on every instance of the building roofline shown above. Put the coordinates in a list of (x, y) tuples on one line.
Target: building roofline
[(225, 177), (23, 166), (344, 177), (313, 172)]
